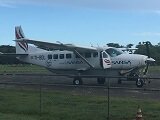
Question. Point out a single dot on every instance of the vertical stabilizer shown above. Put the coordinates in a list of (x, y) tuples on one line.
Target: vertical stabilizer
[(21, 46)]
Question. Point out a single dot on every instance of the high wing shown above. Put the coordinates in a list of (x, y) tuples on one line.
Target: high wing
[(56, 46), (127, 49), (130, 50)]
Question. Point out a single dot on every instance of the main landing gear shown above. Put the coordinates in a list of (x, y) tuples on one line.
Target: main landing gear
[(78, 81), (135, 77)]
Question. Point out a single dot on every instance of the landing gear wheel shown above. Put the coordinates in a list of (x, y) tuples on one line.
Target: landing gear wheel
[(77, 81), (139, 83), (135, 77), (101, 80)]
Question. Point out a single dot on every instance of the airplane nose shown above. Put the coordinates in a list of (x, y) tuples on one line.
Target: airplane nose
[(149, 60)]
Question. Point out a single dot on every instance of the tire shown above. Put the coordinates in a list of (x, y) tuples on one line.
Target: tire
[(139, 83), (101, 81), (77, 81)]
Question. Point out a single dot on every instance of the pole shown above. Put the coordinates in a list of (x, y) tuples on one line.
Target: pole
[(40, 98), (108, 99)]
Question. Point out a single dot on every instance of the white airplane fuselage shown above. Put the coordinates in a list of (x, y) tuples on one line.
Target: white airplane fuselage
[(67, 60)]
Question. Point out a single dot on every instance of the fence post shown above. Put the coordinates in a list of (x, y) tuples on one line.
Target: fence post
[(40, 97), (108, 84)]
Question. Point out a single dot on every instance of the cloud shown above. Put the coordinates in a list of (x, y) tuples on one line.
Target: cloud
[(157, 12), (149, 5), (14, 3), (6, 5), (147, 34)]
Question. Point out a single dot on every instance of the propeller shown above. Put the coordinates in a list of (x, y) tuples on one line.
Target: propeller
[(149, 59)]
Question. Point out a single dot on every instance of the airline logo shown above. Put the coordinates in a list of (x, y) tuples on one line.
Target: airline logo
[(19, 35), (107, 62), (23, 45)]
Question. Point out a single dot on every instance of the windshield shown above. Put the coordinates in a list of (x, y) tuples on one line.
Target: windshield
[(113, 52)]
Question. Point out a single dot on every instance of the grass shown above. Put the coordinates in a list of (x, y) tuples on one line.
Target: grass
[(25, 105), (17, 104), (37, 69), (154, 69), (22, 69)]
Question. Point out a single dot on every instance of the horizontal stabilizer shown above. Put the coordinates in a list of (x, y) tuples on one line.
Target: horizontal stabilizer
[(12, 54)]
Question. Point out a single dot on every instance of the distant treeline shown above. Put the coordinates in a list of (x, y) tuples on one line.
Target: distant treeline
[(154, 52), (8, 59)]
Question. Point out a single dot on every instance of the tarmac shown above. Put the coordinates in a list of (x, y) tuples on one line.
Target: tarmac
[(127, 89)]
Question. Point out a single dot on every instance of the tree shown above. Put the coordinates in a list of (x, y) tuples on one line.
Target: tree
[(153, 49), (129, 45), (114, 45), (8, 59)]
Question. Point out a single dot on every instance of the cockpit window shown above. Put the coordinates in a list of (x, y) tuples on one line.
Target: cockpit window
[(113, 52)]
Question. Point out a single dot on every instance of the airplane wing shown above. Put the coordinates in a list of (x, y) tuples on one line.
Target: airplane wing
[(56, 46), (128, 49)]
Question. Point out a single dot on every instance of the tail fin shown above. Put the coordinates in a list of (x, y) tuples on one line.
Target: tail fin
[(21, 46)]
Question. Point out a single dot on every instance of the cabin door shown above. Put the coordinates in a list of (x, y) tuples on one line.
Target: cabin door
[(105, 60)]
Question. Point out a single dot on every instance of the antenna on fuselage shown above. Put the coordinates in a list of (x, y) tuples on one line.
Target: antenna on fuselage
[(91, 44), (147, 44), (59, 42), (98, 45)]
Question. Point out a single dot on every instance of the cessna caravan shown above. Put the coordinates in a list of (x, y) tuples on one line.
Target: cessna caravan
[(78, 62)]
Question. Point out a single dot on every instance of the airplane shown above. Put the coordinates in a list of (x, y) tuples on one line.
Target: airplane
[(78, 62)]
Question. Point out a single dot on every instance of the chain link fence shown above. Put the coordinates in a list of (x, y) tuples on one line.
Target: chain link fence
[(39, 97)]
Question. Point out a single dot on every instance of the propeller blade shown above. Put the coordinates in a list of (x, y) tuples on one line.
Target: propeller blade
[(149, 59), (147, 49), (146, 69)]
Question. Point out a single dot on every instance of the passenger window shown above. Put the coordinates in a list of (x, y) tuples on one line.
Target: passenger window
[(87, 55), (68, 56), (55, 56), (95, 54), (49, 56), (61, 56)]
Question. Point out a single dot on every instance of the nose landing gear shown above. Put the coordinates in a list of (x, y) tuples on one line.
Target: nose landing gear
[(135, 77), (139, 82)]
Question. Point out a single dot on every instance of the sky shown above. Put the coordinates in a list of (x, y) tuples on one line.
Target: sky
[(82, 22)]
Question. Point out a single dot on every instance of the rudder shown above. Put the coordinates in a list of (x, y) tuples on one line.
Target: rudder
[(21, 46)]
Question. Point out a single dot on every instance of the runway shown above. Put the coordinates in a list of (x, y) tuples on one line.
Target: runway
[(127, 89)]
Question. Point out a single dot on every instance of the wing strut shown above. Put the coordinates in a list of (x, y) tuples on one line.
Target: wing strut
[(83, 58)]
